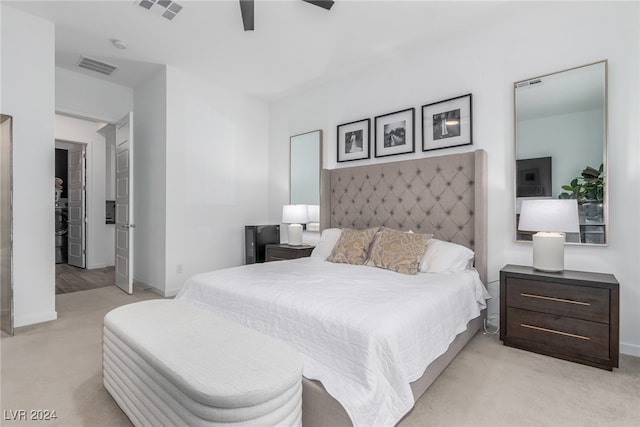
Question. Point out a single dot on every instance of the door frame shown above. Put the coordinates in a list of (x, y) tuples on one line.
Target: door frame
[(95, 207), (89, 162)]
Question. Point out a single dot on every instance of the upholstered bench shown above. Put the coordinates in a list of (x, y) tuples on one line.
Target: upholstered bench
[(167, 362)]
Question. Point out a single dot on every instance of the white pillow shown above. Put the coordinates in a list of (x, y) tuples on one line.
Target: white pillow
[(328, 240), (445, 257)]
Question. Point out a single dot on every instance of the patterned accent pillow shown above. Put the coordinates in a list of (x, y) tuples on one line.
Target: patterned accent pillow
[(398, 251), (352, 246)]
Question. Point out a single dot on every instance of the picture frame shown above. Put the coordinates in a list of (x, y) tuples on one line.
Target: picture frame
[(395, 133), (354, 140), (447, 123)]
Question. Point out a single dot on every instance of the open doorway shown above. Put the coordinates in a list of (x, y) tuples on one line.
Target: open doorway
[(85, 180)]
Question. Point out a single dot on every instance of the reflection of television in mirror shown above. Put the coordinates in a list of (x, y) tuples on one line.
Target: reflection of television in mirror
[(533, 177)]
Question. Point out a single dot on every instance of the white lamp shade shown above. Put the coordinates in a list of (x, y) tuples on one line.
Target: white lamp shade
[(549, 215), (295, 214)]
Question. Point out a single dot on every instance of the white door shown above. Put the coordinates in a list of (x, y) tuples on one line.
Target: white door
[(76, 188), (124, 204)]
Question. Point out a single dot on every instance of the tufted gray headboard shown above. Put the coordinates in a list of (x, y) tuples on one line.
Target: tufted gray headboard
[(444, 195)]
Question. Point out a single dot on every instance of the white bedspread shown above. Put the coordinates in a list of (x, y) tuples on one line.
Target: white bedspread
[(364, 332)]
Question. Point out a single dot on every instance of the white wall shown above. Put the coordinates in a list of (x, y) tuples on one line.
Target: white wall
[(149, 184), (200, 172), (27, 58), (485, 61), (109, 132), (81, 95), (100, 252), (217, 146)]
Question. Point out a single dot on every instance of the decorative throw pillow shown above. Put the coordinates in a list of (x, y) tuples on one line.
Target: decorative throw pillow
[(398, 251), (373, 243), (352, 246), (328, 240), (446, 257)]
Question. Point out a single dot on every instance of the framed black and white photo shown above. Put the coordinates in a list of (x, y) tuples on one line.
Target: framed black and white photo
[(447, 123), (394, 133), (353, 140)]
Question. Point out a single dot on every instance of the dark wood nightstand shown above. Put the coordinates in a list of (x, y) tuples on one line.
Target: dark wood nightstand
[(570, 315), (283, 251)]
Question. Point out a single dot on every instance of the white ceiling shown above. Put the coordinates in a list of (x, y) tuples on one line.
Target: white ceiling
[(294, 45)]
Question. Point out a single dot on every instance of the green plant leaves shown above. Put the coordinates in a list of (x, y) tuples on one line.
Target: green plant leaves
[(588, 186)]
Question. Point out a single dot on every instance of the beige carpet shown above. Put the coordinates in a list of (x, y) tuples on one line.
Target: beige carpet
[(57, 366)]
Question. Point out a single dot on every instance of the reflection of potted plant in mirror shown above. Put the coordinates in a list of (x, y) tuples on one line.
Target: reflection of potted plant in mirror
[(588, 190)]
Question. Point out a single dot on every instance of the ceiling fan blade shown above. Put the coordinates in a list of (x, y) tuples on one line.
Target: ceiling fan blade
[(246, 9), (325, 4)]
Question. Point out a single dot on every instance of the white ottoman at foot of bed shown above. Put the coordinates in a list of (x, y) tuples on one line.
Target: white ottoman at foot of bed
[(171, 363)]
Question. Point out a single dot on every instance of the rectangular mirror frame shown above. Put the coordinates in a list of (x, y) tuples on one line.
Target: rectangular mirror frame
[(605, 151), (304, 170)]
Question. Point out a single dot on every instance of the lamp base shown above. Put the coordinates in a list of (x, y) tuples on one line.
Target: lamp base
[(295, 234), (548, 251)]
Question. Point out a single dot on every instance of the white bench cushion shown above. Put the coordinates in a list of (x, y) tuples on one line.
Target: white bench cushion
[(207, 366)]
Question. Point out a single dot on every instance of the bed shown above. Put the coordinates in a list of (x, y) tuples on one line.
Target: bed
[(367, 335)]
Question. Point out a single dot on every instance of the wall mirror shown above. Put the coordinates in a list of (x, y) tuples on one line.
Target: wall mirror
[(561, 146), (306, 163)]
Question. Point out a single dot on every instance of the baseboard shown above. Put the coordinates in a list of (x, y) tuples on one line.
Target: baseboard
[(145, 286), (630, 349), (95, 266), (19, 321), (171, 293)]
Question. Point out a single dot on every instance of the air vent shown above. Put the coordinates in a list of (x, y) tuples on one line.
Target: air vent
[(97, 66), (165, 8)]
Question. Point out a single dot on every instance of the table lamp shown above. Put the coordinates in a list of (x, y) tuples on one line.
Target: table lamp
[(551, 218), (295, 216)]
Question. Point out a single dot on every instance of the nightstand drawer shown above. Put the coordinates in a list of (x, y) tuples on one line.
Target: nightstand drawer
[(283, 252), (579, 302), (565, 334), (277, 254)]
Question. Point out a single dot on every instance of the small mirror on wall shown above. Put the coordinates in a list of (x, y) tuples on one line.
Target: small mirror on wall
[(561, 146), (306, 162), (305, 166)]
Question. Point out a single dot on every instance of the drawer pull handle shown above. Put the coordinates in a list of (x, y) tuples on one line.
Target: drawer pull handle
[(553, 331), (568, 301)]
